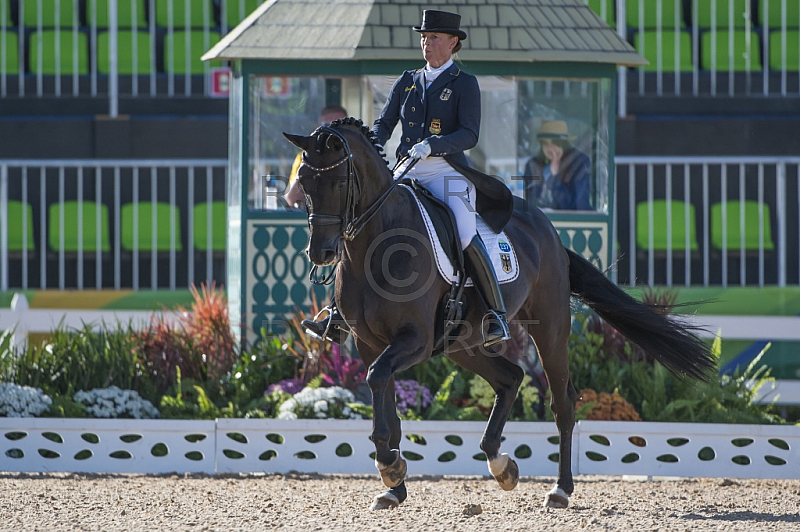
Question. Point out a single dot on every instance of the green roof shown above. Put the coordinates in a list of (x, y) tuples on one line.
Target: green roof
[(499, 30)]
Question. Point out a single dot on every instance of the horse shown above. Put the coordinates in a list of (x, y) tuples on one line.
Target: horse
[(389, 292)]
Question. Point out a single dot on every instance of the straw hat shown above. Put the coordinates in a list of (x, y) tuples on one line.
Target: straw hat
[(554, 129)]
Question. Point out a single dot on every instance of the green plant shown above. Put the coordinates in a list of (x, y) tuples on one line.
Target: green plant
[(78, 359), (451, 400), (209, 326), (189, 401)]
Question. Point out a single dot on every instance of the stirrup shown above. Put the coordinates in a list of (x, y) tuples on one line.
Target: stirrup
[(324, 328), (494, 328)]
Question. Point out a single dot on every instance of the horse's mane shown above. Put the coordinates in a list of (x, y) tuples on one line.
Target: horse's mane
[(365, 131)]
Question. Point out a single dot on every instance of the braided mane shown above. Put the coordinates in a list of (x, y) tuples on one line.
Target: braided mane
[(365, 131)]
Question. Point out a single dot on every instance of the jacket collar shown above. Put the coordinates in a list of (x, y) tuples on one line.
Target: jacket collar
[(444, 78)]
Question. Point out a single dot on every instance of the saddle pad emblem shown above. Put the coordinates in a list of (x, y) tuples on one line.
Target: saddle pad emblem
[(505, 259), (502, 254), (445, 94)]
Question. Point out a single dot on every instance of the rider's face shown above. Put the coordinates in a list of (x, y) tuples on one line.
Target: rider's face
[(437, 47)]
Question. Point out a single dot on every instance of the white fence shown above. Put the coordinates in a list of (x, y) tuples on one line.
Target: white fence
[(430, 447)]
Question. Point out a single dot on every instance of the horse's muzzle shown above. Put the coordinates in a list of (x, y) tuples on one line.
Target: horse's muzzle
[(323, 256)]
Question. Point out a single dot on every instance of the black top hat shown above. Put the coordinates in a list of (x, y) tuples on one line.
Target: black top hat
[(441, 22)]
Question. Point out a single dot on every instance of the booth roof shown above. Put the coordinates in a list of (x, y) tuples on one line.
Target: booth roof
[(498, 30)]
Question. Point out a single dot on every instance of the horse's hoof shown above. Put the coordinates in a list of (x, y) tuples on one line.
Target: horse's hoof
[(394, 473), (556, 498), (505, 471), (387, 501)]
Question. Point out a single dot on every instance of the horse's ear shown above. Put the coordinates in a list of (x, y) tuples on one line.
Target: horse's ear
[(334, 143), (304, 143)]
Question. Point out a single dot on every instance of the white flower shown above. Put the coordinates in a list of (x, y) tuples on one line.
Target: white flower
[(319, 403), (22, 401), (113, 402)]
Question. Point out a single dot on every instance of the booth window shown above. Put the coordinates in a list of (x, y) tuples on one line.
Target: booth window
[(278, 104)]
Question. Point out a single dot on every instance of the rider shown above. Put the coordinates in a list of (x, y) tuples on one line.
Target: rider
[(439, 110)]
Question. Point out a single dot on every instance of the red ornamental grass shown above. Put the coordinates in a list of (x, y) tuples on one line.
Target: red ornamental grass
[(163, 347), (209, 327)]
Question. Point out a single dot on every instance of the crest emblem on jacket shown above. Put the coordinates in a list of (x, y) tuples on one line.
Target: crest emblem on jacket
[(445, 95)]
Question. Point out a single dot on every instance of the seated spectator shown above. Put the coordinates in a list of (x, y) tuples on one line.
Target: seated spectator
[(560, 174)]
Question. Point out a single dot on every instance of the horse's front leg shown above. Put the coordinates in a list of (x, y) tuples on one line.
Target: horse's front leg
[(407, 349)]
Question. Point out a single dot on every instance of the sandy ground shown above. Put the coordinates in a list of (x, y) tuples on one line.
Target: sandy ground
[(311, 503)]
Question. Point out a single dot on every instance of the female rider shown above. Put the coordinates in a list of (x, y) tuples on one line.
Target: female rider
[(438, 107)]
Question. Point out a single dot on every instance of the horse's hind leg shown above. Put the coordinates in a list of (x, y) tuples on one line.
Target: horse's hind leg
[(505, 378), (553, 355)]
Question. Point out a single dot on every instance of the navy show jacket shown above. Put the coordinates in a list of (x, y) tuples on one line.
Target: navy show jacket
[(448, 113)]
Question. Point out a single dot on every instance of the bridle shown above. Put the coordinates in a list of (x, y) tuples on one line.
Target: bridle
[(351, 224)]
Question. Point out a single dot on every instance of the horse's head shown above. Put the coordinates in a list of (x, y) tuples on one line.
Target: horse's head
[(331, 183)]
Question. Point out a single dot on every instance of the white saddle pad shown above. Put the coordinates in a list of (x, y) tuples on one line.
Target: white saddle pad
[(502, 253)]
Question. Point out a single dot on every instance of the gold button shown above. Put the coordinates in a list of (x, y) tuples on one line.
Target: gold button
[(411, 124), (408, 139), (413, 109)]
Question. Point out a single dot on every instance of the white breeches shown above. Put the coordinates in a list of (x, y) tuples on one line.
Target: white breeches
[(447, 184)]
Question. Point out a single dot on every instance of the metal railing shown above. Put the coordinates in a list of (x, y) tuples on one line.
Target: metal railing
[(106, 250), (708, 220)]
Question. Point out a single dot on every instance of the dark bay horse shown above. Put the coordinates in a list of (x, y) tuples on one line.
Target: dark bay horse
[(390, 293)]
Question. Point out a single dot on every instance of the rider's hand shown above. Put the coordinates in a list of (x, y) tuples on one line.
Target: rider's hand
[(420, 150)]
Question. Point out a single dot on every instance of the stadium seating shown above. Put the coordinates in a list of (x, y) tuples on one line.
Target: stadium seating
[(733, 217), (715, 50), (678, 218), (771, 12), (18, 211), (67, 16), (669, 16), (663, 54), (232, 12), (198, 13), (219, 226), (146, 228), (776, 51), (130, 13), (135, 52), (722, 13), (62, 52), (74, 230), (176, 51), (10, 53)]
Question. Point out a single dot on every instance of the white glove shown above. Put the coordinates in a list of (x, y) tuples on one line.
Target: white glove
[(420, 150)]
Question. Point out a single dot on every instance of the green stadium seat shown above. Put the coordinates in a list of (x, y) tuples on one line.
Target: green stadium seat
[(126, 48), (5, 14), (603, 8), (200, 12), (10, 54), (776, 58), (130, 13), (219, 226), (18, 211), (145, 227), (175, 49), (73, 229), (733, 235), (660, 241), (742, 59), (670, 9), (66, 16), (720, 19), (58, 57), (648, 45), (772, 11)]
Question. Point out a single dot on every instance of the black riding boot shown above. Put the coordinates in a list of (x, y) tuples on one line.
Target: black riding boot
[(479, 267), (334, 325)]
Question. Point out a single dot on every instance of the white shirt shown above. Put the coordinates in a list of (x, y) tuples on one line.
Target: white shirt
[(432, 73)]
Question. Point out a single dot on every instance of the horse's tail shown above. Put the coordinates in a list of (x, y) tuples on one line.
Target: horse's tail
[(664, 338)]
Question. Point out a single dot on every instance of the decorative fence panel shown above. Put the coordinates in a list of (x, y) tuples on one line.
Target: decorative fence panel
[(430, 447)]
